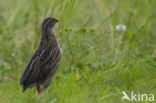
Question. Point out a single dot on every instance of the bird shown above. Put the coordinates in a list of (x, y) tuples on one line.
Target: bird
[(44, 63)]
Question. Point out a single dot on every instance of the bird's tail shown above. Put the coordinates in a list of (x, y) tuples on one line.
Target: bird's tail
[(24, 88)]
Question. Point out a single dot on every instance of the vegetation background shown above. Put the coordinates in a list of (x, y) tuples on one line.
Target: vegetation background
[(99, 62)]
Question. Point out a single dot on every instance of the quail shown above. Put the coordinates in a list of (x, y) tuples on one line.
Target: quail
[(44, 63)]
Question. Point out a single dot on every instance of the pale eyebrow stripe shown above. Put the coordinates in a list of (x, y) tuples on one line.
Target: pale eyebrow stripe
[(45, 22)]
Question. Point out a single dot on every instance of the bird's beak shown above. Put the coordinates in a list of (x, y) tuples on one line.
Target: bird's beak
[(56, 20)]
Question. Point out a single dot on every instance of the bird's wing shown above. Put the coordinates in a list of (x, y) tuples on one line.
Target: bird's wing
[(50, 59), (38, 65), (37, 61), (48, 54), (31, 71), (45, 54)]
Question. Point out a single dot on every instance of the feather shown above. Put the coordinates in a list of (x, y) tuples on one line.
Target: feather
[(44, 63)]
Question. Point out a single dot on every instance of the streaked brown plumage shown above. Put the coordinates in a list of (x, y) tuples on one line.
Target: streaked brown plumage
[(44, 63)]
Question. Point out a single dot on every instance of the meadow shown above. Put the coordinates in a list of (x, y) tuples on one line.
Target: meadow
[(99, 62)]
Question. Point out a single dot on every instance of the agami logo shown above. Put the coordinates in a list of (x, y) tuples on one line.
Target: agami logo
[(138, 96)]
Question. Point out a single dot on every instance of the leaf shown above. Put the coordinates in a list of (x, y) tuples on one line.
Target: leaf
[(13, 69), (132, 44), (130, 35)]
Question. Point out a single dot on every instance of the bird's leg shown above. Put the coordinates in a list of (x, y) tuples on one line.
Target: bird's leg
[(39, 91)]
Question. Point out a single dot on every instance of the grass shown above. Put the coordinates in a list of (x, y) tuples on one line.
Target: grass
[(98, 61)]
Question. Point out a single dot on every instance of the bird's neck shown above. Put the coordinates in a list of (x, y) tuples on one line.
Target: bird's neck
[(48, 35), (48, 32)]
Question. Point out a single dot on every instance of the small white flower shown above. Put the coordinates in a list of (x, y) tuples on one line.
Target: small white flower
[(121, 27), (13, 54)]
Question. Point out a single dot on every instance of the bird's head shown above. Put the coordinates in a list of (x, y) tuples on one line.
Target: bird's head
[(48, 23)]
